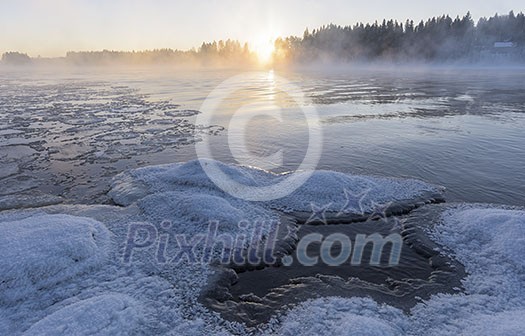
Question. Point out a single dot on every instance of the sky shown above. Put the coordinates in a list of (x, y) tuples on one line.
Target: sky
[(52, 27)]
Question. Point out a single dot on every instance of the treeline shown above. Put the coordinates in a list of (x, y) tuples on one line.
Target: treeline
[(15, 58), (229, 53), (438, 39), (221, 53)]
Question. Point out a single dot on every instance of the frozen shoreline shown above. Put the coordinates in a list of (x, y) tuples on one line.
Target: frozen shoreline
[(147, 297)]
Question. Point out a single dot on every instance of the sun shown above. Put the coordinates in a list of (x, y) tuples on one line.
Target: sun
[(264, 48)]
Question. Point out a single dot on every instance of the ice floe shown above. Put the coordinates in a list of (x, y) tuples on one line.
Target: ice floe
[(55, 131), (322, 187)]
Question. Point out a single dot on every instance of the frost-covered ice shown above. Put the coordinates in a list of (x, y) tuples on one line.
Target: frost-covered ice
[(488, 240), (327, 187), (42, 251), (323, 187), (63, 272), (101, 315), (486, 232), (29, 200), (198, 208), (338, 316)]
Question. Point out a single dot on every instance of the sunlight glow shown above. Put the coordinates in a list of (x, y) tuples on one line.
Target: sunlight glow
[(264, 48)]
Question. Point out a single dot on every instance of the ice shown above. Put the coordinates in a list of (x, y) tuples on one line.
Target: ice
[(130, 186), (487, 239), (63, 270), (41, 251), (18, 153), (465, 97), (327, 187), (110, 314), (485, 232), (80, 125), (338, 316), (18, 184), (126, 188), (8, 169), (197, 208), (32, 200), (323, 187), (8, 131)]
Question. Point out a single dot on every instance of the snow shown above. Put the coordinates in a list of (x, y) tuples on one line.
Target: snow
[(327, 187), (198, 208), (110, 314), (63, 271), (487, 232), (488, 240), (42, 251), (338, 316), (506, 323), (143, 297), (323, 187)]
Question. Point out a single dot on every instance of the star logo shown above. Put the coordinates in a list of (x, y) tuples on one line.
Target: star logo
[(318, 213), (354, 202), (292, 231), (379, 211)]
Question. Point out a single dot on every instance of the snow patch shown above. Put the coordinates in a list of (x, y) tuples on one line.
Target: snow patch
[(110, 314), (481, 232), (43, 250), (327, 187), (193, 211), (339, 316), (323, 187)]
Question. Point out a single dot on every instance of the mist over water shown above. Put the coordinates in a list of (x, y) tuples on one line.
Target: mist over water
[(68, 133)]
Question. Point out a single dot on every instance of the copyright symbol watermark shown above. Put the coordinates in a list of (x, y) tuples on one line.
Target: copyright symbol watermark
[(237, 134)]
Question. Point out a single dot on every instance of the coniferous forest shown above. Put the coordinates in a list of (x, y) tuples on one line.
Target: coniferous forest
[(438, 39)]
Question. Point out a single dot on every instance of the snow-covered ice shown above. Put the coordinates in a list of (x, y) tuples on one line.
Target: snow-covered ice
[(42, 251), (109, 314), (63, 273), (487, 239), (323, 187), (29, 200), (338, 316)]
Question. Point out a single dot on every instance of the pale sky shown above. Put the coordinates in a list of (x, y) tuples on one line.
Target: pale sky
[(52, 27)]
